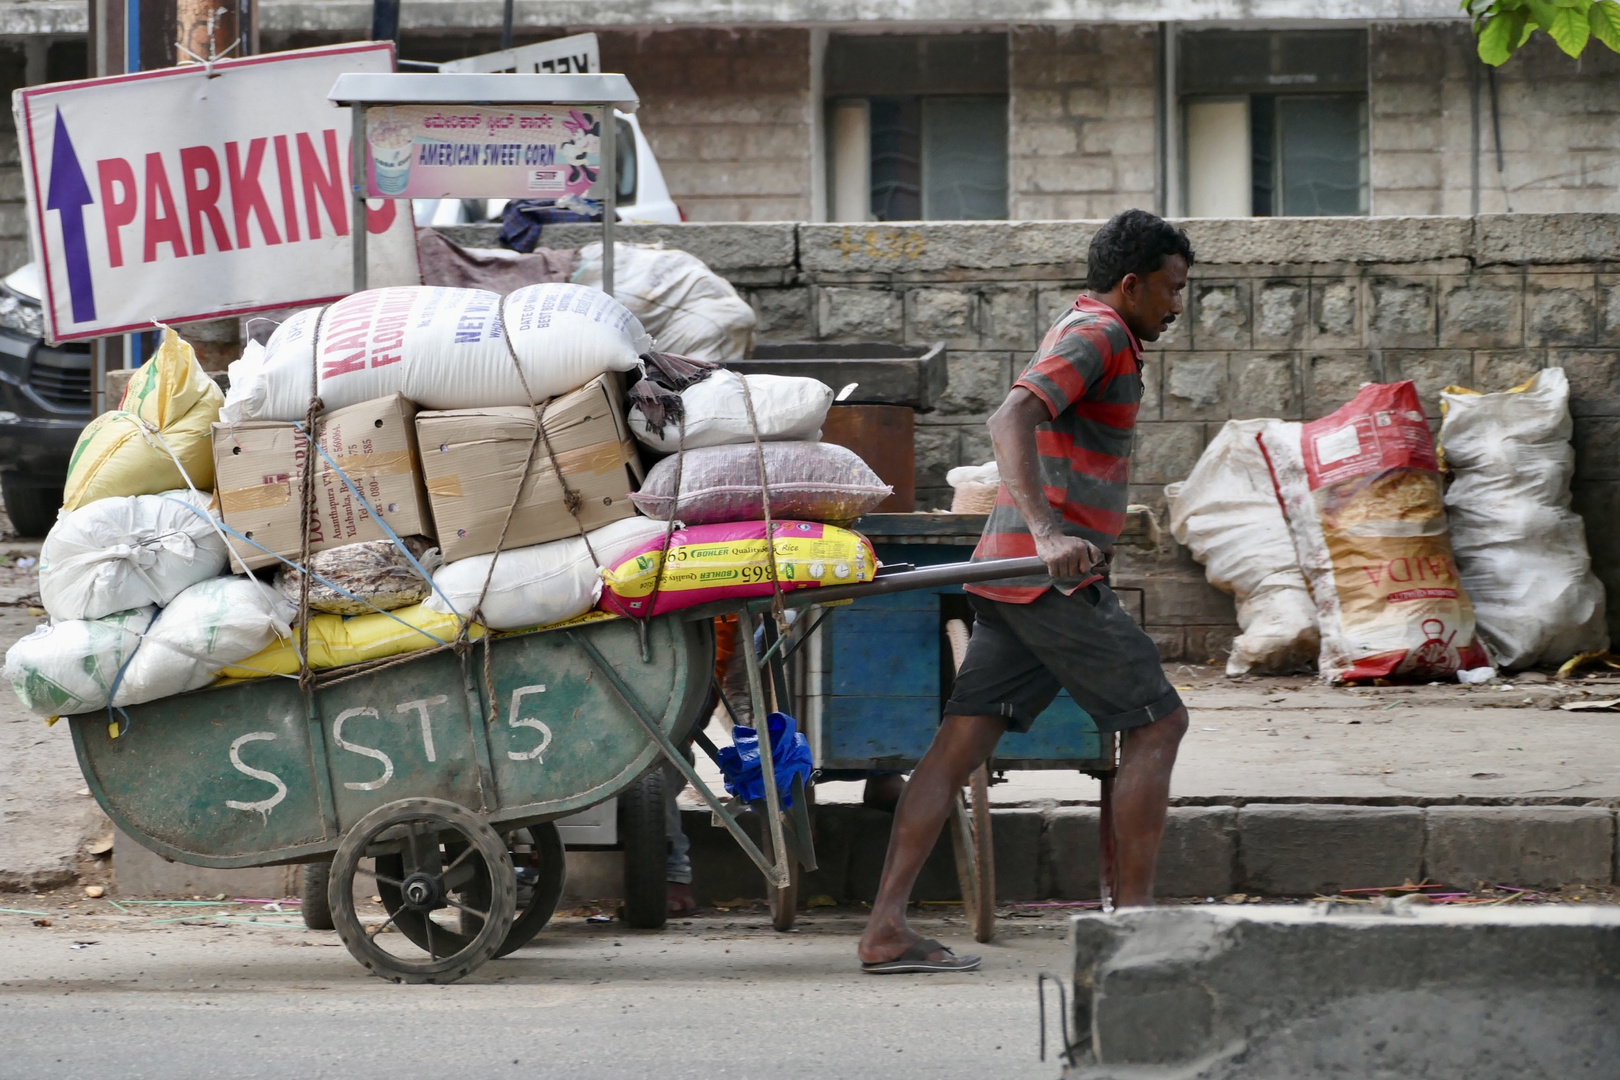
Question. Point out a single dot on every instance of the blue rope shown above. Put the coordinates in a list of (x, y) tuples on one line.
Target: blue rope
[(118, 679)]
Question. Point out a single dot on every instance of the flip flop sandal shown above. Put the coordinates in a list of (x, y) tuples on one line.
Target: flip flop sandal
[(914, 961)]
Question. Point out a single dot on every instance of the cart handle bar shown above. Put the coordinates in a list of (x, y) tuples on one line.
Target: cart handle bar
[(928, 577)]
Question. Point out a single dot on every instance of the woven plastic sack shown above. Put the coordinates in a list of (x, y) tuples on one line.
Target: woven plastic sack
[(442, 348), (808, 481), (688, 309), (1226, 513), (117, 554), (1361, 491), (172, 401), (69, 667), (1520, 548), (335, 641), (208, 627), (376, 572), (731, 561), (744, 771), (785, 407), (543, 583)]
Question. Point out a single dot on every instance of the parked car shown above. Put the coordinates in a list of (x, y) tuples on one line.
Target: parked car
[(643, 197), (44, 404)]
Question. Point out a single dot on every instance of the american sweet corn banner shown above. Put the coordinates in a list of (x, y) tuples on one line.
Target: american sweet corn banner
[(190, 193)]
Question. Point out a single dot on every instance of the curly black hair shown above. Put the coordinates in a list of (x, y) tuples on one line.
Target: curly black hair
[(1132, 242)]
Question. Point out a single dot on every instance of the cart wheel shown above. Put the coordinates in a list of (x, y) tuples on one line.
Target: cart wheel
[(427, 852), (644, 837), (785, 901), (544, 860), (314, 906)]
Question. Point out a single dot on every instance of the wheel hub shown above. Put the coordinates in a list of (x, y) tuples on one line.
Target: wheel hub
[(421, 892)]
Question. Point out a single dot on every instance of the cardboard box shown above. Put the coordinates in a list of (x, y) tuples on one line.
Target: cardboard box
[(472, 460), (258, 469)]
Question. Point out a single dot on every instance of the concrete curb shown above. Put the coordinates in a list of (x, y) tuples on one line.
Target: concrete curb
[(1270, 849)]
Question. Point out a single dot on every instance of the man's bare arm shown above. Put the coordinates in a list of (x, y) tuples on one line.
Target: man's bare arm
[(1012, 432)]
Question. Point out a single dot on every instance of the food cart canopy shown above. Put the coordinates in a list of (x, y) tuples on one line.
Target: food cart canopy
[(467, 88)]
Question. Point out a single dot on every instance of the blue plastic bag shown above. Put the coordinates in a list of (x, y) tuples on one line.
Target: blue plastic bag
[(790, 751)]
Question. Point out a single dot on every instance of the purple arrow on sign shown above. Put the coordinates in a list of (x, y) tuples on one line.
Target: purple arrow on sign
[(68, 195)]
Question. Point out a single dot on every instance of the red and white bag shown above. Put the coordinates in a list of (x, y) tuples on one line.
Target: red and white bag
[(1361, 490)]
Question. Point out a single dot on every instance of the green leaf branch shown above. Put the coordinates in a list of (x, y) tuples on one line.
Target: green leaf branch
[(1501, 26)]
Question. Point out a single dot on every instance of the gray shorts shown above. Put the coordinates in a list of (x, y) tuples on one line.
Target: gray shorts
[(1021, 655)]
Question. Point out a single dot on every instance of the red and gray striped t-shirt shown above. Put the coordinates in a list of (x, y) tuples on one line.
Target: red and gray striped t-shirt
[(1088, 371)]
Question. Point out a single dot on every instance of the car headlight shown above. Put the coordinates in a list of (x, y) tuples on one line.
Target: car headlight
[(22, 316)]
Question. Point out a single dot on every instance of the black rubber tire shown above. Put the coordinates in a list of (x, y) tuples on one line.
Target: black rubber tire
[(317, 906), (645, 841), (434, 822), (31, 508), (550, 859)]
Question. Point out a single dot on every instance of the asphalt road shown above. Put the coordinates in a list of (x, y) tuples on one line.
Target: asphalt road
[(715, 998)]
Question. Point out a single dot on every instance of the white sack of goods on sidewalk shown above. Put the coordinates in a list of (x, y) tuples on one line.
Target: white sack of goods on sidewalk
[(974, 488), (1361, 491), (116, 554), (356, 579), (686, 307), (441, 348), (542, 584), (70, 666), (785, 407), (166, 414), (1520, 549), (210, 626), (1226, 513), (808, 481)]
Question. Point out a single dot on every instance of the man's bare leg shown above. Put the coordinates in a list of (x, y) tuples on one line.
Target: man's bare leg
[(1141, 799), (962, 744)]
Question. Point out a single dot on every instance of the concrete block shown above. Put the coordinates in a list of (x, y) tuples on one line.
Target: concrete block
[(951, 315), (1302, 850), (1009, 320), (1482, 314), (1166, 452), (1594, 374), (1151, 405), (1402, 313), (977, 382), (1405, 169), (1560, 310), (1072, 853), (1609, 312), (1597, 455), (1280, 311), (936, 453), (858, 314), (1523, 238), (1220, 315), (1519, 845), (1199, 853), (1284, 993), (1331, 379), (782, 314), (1195, 386), (1266, 385), (1052, 139), (1336, 313), (1495, 372), (599, 875), (975, 447), (1430, 370), (1030, 106), (143, 873), (1185, 599), (1094, 173), (1018, 838)]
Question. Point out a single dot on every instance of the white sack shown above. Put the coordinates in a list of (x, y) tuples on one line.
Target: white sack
[(686, 307), (546, 583), (785, 406), (69, 667), (121, 553), (442, 348), (987, 474), (212, 625), (1521, 551), (1226, 513)]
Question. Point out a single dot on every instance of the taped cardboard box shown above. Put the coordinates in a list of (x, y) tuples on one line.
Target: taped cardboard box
[(258, 465), (472, 460)]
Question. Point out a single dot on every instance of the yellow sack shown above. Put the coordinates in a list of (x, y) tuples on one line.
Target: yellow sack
[(119, 453), (336, 640)]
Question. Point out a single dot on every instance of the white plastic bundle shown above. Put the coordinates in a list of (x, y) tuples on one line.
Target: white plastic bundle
[(69, 667), (1226, 513), (442, 348), (542, 584), (212, 625), (1521, 551), (121, 553), (787, 407), (686, 307)]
